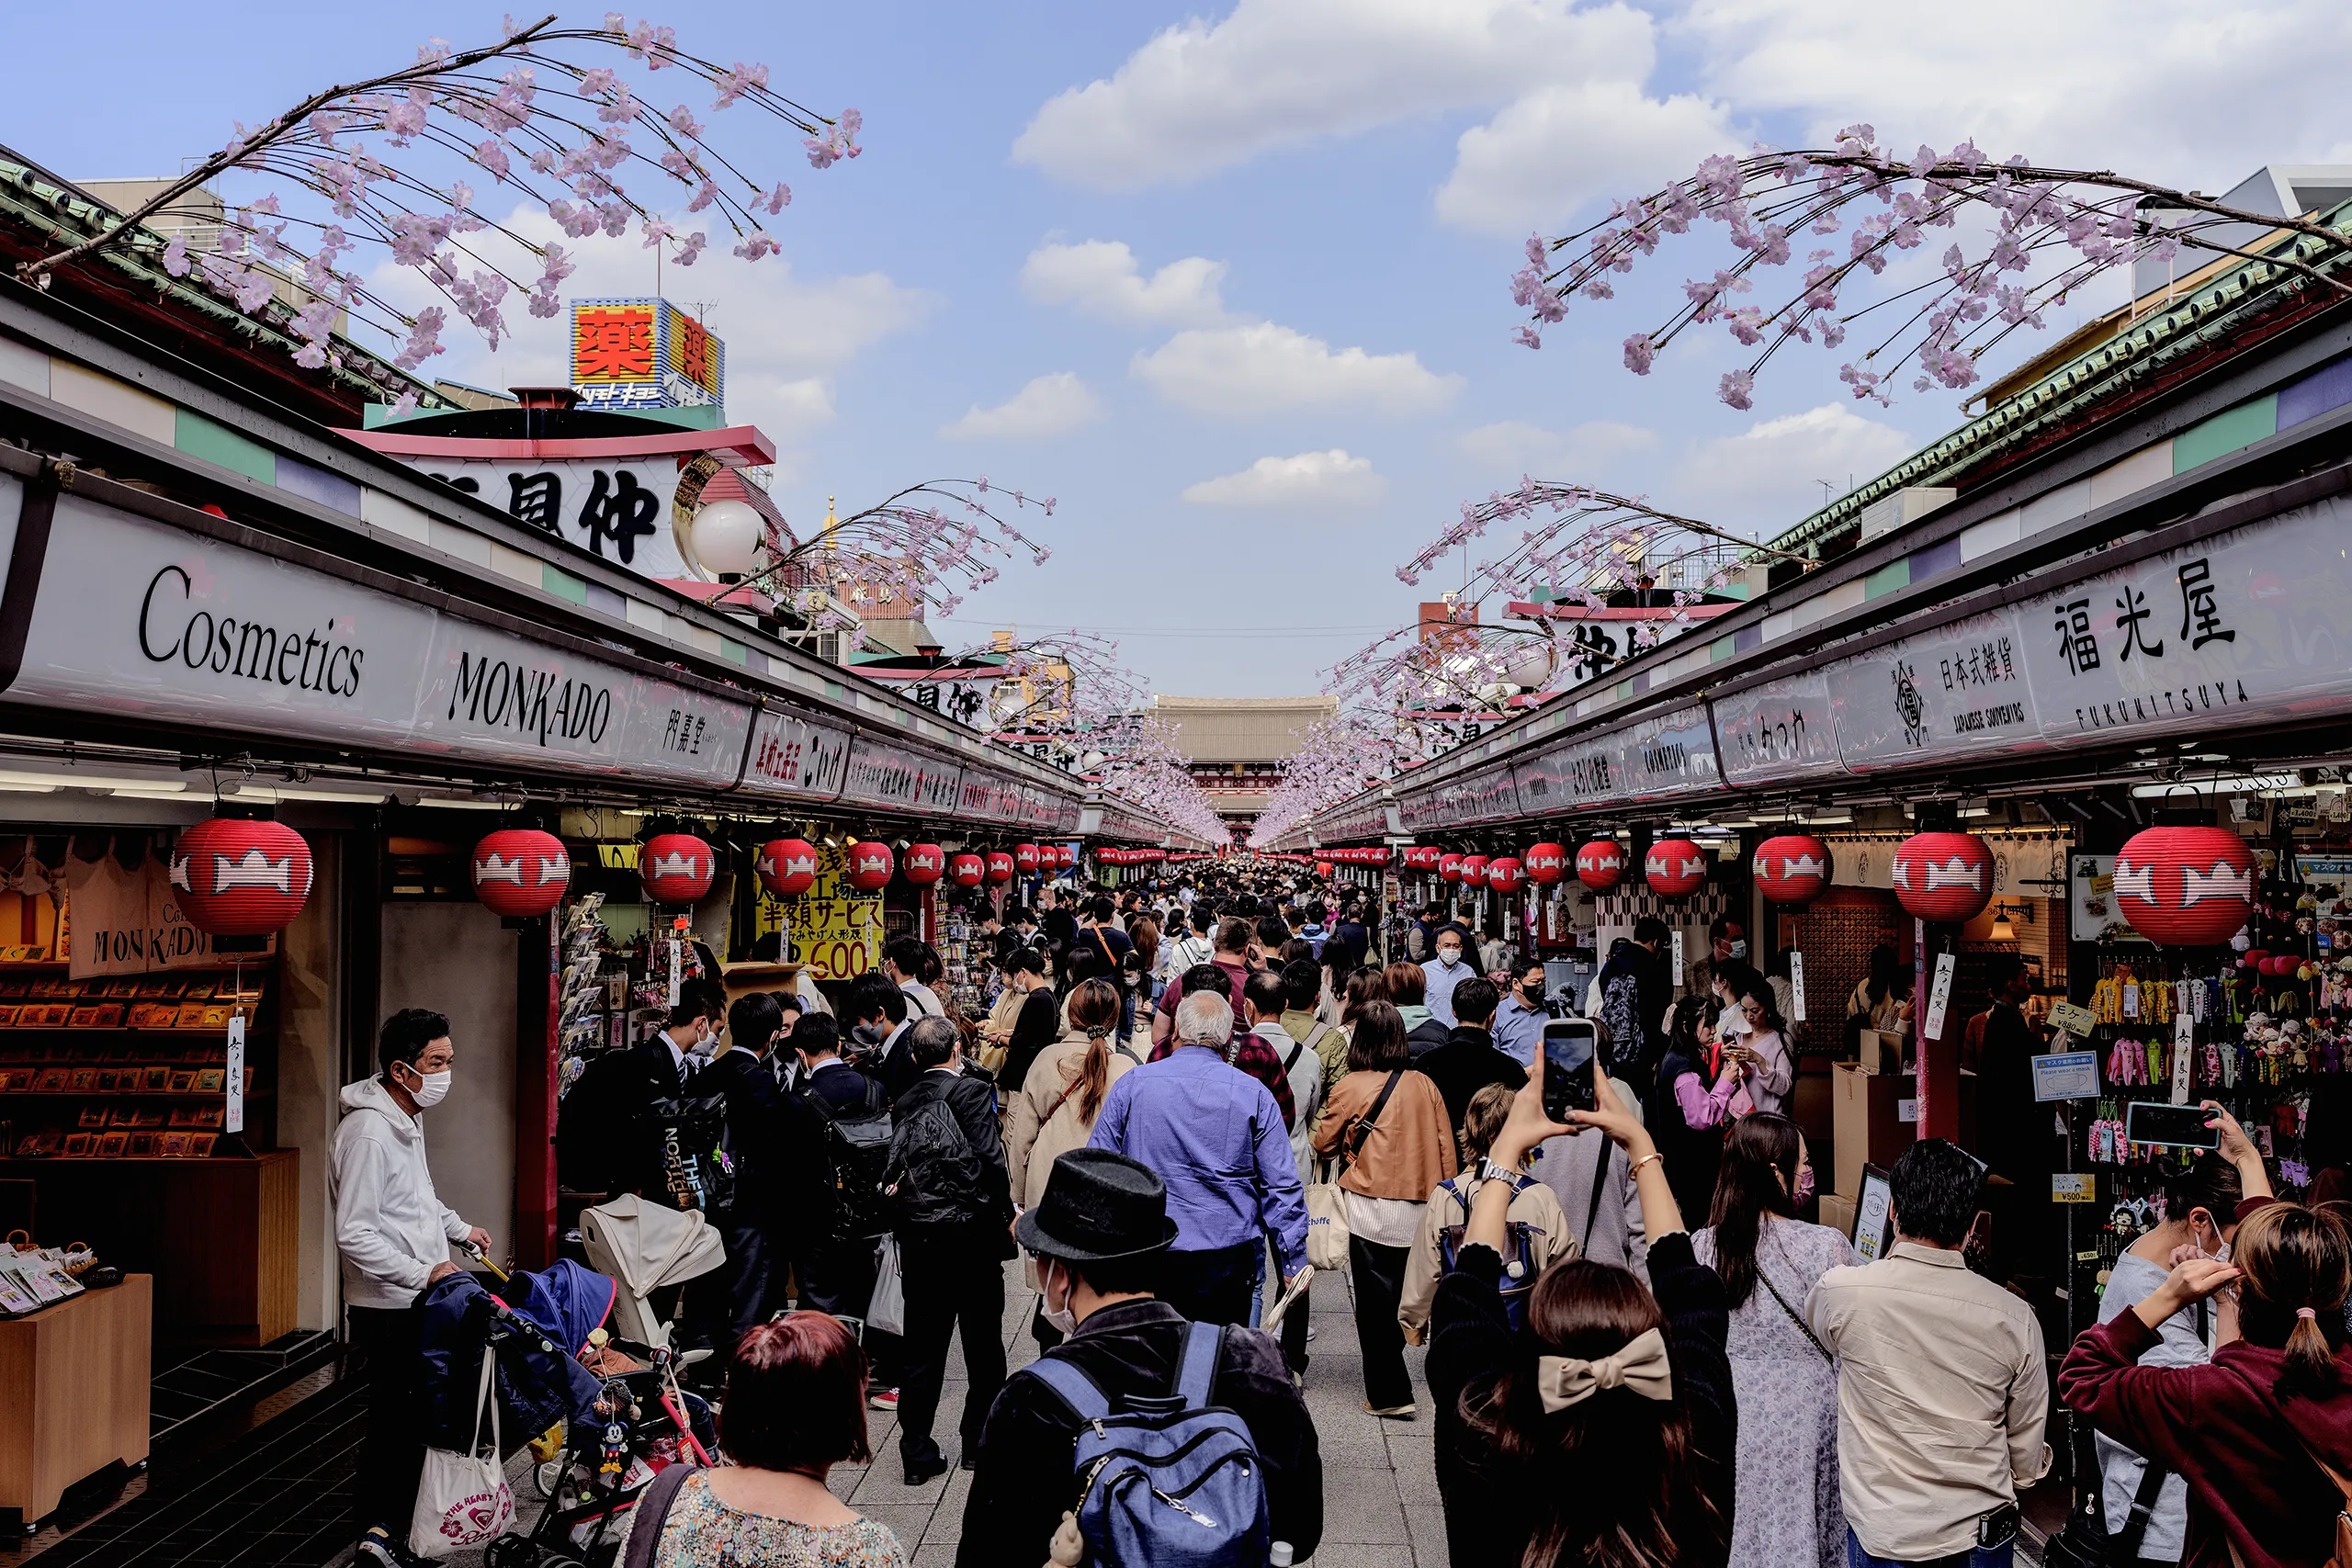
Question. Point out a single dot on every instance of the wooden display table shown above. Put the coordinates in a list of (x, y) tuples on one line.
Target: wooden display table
[(73, 1382)]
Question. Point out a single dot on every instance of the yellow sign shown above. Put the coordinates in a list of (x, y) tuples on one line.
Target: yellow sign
[(832, 928), (2074, 1187)]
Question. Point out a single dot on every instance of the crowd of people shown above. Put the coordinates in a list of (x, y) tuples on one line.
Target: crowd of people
[(1638, 1352)]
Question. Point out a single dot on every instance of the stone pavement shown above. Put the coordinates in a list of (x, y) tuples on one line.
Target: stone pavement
[(1380, 1503)]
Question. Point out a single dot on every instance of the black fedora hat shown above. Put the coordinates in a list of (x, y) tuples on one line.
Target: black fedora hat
[(1098, 1206)]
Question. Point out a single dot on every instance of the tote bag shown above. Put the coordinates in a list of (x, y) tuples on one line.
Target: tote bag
[(886, 1310), (462, 1499), (1327, 1210)]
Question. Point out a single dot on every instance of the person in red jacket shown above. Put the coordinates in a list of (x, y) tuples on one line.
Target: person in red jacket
[(2257, 1432)]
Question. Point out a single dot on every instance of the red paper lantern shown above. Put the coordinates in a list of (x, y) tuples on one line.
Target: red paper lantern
[(1674, 867), (1000, 868), (235, 878), (1792, 867), (786, 867), (870, 865), (1422, 857), (2184, 886), (675, 868), (1600, 865), (521, 870), (1505, 873), (1449, 868), (1546, 863), (1025, 858), (1943, 876), (925, 864), (967, 871), (1474, 870), (1322, 868)]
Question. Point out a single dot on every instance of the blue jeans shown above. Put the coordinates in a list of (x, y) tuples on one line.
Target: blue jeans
[(2001, 1556)]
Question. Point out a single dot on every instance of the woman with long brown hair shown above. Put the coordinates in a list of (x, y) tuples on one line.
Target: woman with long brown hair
[(1788, 1513), (1601, 1435), (1054, 1110), (2263, 1434)]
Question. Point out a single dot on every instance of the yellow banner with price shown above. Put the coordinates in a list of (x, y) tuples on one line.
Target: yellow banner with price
[(832, 928)]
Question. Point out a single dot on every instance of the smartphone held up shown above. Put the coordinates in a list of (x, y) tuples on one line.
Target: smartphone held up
[(1569, 1047)]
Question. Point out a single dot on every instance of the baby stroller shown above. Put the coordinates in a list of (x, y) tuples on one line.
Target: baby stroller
[(606, 1431), (647, 1248)]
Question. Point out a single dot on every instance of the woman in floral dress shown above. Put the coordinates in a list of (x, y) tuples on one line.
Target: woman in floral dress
[(1788, 1514), (794, 1408)]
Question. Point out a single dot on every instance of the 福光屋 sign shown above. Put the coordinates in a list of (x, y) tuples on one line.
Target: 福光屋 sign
[(644, 353)]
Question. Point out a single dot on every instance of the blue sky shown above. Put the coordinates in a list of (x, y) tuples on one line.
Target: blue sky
[(1232, 283)]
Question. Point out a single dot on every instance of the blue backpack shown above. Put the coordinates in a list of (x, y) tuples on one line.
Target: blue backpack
[(1520, 1272), (1168, 1481)]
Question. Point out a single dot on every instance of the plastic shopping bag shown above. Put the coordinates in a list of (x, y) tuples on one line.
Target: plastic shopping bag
[(462, 1499), (888, 1310)]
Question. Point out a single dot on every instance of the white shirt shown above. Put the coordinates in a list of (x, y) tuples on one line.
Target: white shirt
[(922, 999), (1306, 1090)]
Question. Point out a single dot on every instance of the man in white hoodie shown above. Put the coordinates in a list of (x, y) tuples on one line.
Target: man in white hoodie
[(394, 1234)]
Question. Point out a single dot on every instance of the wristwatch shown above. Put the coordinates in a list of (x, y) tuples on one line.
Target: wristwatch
[(1488, 1170)]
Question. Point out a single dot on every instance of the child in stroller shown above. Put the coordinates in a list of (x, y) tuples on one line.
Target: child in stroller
[(609, 1415)]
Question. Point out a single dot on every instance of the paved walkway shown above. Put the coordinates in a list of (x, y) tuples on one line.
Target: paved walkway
[(1380, 1503)]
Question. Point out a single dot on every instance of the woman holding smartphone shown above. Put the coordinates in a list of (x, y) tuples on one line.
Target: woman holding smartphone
[(1604, 1431)]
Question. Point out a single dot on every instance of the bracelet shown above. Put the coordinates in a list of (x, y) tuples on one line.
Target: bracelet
[(1635, 1168)]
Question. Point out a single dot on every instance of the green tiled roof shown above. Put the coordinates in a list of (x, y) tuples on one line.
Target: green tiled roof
[(2146, 348)]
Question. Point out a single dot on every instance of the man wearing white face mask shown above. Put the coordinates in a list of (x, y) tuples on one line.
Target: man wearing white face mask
[(394, 1234), (1447, 970)]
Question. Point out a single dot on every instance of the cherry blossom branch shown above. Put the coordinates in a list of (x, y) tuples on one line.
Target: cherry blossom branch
[(563, 144), (2090, 222), (906, 546)]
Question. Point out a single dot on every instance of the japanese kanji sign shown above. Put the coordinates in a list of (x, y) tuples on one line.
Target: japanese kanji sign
[(644, 353)]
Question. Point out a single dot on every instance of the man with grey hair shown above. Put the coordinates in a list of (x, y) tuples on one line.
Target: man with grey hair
[(952, 1211), (1216, 1135)]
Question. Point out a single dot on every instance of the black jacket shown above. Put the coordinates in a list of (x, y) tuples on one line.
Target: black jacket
[(1465, 1064), (1024, 1478), (756, 1135), (971, 1100), (1488, 1513), (850, 1095), (1344, 949), (1427, 1036), (1038, 1025)]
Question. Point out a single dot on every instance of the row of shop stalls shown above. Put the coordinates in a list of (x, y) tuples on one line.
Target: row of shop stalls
[(2102, 727), (279, 758)]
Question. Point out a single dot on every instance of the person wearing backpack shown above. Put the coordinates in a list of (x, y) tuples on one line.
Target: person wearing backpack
[(1054, 1110), (1137, 1395), (841, 1132), (1537, 1228), (951, 1208)]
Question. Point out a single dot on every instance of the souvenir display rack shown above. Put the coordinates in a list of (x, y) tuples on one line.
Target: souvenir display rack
[(970, 976), (128, 1067)]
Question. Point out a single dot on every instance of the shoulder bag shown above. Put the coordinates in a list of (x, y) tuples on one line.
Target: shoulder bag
[(653, 1513), (1327, 1211)]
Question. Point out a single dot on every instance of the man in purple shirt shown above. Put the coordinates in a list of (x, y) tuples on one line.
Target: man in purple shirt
[(1214, 1135)]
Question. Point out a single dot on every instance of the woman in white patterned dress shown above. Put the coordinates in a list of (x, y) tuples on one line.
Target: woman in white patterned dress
[(1788, 1515)]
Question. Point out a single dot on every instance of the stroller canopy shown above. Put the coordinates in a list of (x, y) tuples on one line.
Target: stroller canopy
[(645, 1248)]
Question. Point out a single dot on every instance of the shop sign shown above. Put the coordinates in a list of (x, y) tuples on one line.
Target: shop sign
[(618, 508), (1582, 773), (2247, 628), (127, 922), (1777, 732), (2066, 1075), (644, 353), (832, 928), (985, 796), (793, 757), (488, 694), (884, 774), (1958, 690), (1672, 754)]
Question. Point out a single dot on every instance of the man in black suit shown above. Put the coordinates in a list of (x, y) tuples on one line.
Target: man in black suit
[(612, 1135), (835, 1270), (752, 1219)]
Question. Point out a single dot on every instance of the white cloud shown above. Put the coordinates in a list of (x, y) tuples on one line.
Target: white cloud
[(1310, 479), (1265, 368), (787, 336), (1102, 278), (1565, 454), (1770, 475), (2182, 92), (1559, 147), (1050, 405), (1203, 96)]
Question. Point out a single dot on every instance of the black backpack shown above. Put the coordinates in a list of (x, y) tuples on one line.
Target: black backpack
[(857, 1155), (932, 1174)]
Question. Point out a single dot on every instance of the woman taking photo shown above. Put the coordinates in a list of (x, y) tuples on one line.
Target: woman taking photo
[(1053, 1110), (1789, 1515), (1389, 1129), (2251, 1431), (1687, 1112), (1766, 1072), (1601, 1436), (794, 1408)]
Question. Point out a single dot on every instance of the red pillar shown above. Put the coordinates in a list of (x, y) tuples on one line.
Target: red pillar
[(537, 974)]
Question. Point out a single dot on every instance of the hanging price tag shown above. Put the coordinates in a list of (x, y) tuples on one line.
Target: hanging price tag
[(233, 1118), (1679, 975), (1796, 987), (2074, 1019), (2131, 999), (1939, 995)]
